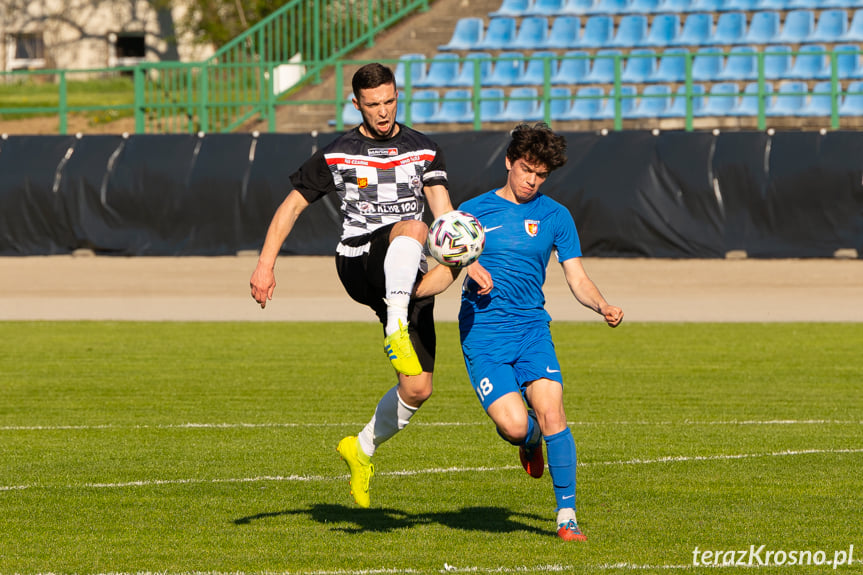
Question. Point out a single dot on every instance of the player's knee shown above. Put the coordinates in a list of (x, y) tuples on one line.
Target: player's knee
[(513, 431), (416, 392), (415, 229)]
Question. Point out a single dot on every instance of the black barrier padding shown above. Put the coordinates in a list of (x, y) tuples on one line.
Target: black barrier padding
[(32, 218), (475, 163)]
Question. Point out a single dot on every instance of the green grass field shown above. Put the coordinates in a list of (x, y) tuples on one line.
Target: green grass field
[(210, 447)]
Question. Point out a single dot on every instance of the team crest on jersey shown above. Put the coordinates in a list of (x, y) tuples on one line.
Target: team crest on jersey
[(383, 152), (362, 182), (416, 184), (364, 207), (531, 227)]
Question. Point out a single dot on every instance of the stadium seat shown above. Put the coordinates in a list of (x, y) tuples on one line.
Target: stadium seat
[(455, 107), (852, 103), (664, 30), (749, 101), (603, 67), (513, 8), (609, 7), (707, 5), (546, 8), (442, 72), (797, 27), (763, 28), (820, 100), (631, 31), (774, 5), (677, 109), (790, 97), (627, 99), (577, 7), (534, 71), (492, 104), (730, 28), (532, 34), (508, 68), (740, 64), (424, 106), (741, 5), (564, 33), (350, 115), (848, 61), (466, 35), (720, 100), (586, 104), (574, 66), (522, 104), (831, 27), (697, 30), (474, 62), (810, 63), (839, 3), (417, 65), (598, 31), (707, 64), (676, 6), (855, 28), (643, 6), (640, 65), (807, 4), (777, 62), (559, 103), (671, 67), (654, 102), (499, 35)]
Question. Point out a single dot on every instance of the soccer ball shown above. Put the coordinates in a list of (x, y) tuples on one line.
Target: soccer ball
[(456, 239)]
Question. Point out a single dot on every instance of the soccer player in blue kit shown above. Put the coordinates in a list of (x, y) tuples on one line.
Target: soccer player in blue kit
[(505, 335)]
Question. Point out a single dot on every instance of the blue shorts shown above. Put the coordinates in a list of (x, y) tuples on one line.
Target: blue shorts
[(500, 363)]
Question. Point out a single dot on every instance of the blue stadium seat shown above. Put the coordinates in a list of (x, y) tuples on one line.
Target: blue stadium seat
[(577, 7), (640, 65), (532, 34), (740, 64), (672, 66), (534, 71), (697, 30), (546, 8), (763, 28), (643, 6), (855, 28), (654, 101), (777, 62), (466, 35), (564, 34), (425, 105), (508, 68), (664, 30), (807, 4), (522, 104), (707, 64), (848, 61), (820, 100), (559, 103), (774, 5), (499, 35), (730, 28), (609, 6), (455, 107), (350, 115), (586, 104), (417, 65), (442, 71), (707, 5), (840, 3), (721, 99), (677, 109), (514, 8), (749, 101), (789, 99), (679, 6), (492, 104), (628, 95), (810, 63), (631, 31), (574, 66), (602, 69), (598, 31), (475, 61), (797, 27), (741, 5), (852, 103), (831, 27)]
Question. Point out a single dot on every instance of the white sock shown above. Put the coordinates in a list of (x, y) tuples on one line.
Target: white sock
[(565, 514), (391, 416), (401, 265)]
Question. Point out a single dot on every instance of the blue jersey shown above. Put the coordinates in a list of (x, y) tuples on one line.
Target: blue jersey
[(519, 239)]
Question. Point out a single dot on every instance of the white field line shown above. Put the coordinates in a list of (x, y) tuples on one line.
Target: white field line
[(685, 422), (434, 470)]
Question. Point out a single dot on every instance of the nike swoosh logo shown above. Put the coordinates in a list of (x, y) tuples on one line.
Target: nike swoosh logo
[(567, 496), (487, 230), (549, 370)]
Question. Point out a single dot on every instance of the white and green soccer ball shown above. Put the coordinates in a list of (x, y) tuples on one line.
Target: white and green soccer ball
[(456, 239)]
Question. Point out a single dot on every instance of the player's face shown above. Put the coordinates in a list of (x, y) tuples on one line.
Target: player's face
[(378, 108), (525, 178)]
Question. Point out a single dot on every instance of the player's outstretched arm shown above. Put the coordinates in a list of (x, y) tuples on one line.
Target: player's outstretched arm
[(586, 292), (263, 281), (436, 281), (438, 200)]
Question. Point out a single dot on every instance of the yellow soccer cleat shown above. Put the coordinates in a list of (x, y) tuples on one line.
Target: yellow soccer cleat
[(400, 350), (361, 472)]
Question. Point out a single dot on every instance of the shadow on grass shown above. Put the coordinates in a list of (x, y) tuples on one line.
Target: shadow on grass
[(355, 520)]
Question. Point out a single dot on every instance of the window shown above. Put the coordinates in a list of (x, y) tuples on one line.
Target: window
[(25, 50), (127, 48)]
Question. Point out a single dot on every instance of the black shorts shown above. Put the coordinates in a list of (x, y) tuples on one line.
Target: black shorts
[(363, 277)]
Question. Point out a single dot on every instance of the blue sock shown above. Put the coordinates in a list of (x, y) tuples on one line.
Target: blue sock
[(560, 450)]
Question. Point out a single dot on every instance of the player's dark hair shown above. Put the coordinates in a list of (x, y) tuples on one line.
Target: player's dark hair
[(537, 144), (371, 76)]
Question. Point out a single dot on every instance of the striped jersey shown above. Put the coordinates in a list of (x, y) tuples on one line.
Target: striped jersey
[(379, 182)]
